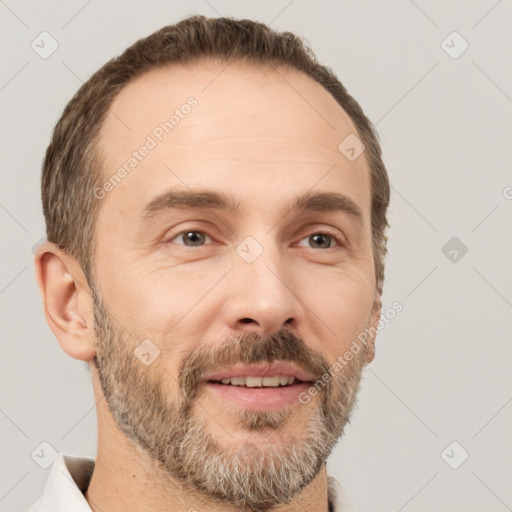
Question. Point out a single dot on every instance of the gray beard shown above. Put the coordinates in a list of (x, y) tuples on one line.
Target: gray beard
[(250, 477)]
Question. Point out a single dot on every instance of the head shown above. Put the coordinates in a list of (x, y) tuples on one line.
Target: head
[(185, 188)]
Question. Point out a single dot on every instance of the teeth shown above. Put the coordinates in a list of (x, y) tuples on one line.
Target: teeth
[(270, 381), (253, 382), (257, 382)]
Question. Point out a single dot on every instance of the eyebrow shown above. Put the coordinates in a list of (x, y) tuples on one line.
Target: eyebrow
[(219, 201)]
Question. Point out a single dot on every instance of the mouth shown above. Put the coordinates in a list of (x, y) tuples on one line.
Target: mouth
[(262, 387), (259, 382)]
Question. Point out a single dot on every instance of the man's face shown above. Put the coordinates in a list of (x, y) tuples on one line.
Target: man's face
[(194, 294)]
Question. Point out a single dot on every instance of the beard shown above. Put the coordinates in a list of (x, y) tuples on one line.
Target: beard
[(252, 476)]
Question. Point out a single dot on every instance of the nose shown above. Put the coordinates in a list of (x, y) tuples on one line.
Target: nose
[(261, 296)]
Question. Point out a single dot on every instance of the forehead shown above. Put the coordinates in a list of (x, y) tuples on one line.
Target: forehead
[(249, 124), (242, 88)]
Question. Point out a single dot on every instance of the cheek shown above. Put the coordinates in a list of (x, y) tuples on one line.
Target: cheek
[(164, 304), (340, 306)]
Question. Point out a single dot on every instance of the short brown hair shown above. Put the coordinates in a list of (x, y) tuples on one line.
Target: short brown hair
[(72, 168)]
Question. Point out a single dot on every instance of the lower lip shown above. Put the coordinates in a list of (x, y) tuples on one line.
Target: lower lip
[(260, 399)]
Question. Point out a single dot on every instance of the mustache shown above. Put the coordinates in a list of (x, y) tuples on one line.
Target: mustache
[(249, 348)]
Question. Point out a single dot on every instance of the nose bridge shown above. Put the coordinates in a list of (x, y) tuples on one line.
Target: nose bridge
[(262, 292)]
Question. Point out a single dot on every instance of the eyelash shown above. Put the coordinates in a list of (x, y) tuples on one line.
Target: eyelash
[(341, 243)]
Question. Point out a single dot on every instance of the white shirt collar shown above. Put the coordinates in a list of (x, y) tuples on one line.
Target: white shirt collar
[(70, 476), (63, 491), (337, 496)]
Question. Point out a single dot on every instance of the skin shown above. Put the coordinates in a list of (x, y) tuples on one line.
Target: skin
[(265, 136)]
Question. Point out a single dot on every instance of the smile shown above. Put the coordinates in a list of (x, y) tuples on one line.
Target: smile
[(258, 382)]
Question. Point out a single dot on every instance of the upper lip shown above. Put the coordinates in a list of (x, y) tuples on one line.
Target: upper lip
[(261, 370)]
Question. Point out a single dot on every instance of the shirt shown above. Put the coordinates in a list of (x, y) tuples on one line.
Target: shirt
[(70, 476)]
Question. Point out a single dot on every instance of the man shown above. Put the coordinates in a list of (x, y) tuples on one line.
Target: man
[(216, 211)]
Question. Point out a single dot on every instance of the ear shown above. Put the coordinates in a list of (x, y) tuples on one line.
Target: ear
[(67, 300), (373, 326)]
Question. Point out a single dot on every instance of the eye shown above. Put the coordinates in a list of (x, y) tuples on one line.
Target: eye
[(191, 238), (319, 240), (324, 239)]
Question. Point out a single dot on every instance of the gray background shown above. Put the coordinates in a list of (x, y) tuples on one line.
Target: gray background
[(443, 365)]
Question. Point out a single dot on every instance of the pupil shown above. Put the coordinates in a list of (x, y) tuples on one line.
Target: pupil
[(192, 236), (324, 237)]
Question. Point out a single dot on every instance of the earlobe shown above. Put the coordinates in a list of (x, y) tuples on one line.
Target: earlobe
[(370, 354), (67, 302), (373, 327)]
